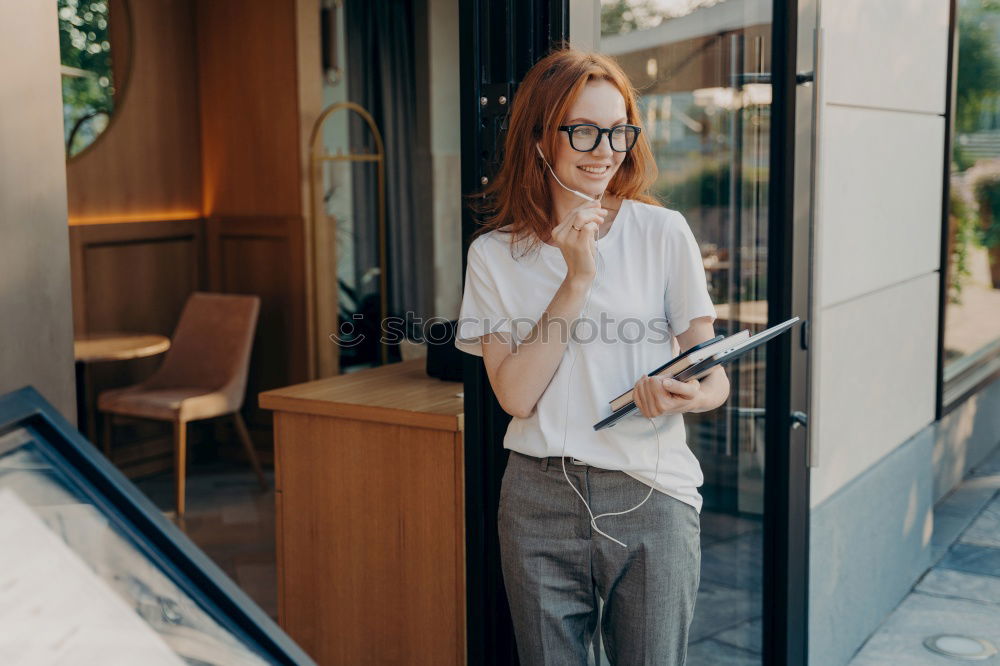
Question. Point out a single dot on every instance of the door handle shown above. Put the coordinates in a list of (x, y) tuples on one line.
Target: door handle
[(744, 78)]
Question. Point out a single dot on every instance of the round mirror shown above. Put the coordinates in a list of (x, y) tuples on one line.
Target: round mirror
[(95, 47)]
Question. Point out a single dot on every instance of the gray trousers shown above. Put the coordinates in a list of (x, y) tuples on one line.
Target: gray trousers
[(555, 565)]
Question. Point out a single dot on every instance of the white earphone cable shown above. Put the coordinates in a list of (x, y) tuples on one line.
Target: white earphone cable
[(593, 518), (656, 472)]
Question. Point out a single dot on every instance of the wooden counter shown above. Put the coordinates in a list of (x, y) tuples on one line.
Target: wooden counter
[(369, 481)]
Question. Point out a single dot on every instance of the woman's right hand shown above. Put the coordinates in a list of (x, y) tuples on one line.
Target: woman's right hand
[(576, 238)]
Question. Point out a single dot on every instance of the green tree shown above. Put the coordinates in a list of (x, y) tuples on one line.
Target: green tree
[(978, 63), (621, 16), (85, 53)]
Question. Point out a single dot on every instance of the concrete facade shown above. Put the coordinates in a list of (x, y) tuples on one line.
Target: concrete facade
[(37, 323)]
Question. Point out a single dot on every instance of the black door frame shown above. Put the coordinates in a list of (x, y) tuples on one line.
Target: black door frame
[(786, 473), (500, 40)]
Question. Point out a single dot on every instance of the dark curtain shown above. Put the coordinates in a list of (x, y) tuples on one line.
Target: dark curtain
[(381, 78)]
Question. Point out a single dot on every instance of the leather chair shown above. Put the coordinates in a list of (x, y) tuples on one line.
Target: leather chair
[(203, 375)]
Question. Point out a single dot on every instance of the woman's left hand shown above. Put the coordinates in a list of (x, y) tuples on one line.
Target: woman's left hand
[(660, 395)]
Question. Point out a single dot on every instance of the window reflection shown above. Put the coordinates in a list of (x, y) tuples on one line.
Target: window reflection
[(972, 324), (93, 77), (701, 71)]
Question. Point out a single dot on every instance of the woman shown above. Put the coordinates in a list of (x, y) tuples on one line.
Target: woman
[(572, 235)]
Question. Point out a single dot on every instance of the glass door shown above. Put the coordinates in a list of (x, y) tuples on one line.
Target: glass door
[(702, 68)]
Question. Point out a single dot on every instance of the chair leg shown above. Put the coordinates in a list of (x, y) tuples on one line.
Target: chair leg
[(180, 464), (241, 430), (107, 426)]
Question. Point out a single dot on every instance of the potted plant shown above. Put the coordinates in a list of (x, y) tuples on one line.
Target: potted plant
[(961, 228), (986, 190)]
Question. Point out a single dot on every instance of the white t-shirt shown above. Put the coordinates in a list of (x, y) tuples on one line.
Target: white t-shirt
[(650, 284)]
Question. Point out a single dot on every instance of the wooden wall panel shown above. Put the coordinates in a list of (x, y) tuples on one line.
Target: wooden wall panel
[(253, 177), (264, 256), (147, 165), (160, 274), (135, 277), (249, 108), (209, 128)]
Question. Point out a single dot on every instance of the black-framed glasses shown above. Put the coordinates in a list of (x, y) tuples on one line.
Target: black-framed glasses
[(584, 137)]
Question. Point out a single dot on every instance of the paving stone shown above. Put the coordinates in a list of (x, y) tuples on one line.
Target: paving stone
[(720, 607), (972, 559), (747, 636), (720, 526), (714, 653), (960, 595), (900, 639), (985, 529), (951, 583), (735, 562)]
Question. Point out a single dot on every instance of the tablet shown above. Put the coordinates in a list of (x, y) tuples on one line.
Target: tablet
[(699, 370)]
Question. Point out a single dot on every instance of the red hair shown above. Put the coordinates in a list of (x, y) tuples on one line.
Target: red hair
[(519, 194)]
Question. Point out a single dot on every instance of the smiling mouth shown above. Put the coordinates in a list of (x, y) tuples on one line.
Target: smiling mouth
[(595, 170)]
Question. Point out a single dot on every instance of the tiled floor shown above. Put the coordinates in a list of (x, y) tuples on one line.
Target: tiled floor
[(231, 519), (233, 522), (726, 630), (961, 593)]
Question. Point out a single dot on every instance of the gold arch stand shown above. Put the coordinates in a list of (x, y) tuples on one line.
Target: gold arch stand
[(324, 354)]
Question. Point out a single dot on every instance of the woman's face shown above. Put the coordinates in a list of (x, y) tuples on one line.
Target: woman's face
[(599, 103)]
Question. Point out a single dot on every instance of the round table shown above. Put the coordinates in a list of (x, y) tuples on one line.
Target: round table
[(101, 347)]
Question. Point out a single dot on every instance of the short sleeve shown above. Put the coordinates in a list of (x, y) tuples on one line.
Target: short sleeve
[(482, 311), (686, 294)]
